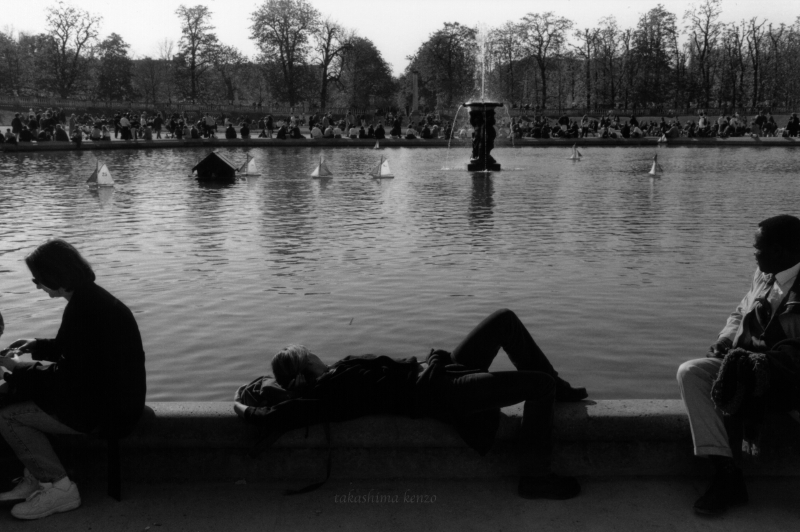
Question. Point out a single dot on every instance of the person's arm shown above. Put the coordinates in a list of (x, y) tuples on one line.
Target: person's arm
[(728, 333)]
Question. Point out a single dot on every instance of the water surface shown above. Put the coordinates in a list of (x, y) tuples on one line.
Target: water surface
[(619, 276)]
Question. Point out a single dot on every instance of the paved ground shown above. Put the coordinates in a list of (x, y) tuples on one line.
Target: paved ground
[(617, 505)]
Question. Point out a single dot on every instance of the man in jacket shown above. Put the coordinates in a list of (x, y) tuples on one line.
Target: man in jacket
[(754, 364)]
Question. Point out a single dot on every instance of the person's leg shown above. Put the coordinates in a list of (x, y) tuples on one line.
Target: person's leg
[(503, 329), (24, 427), (696, 377), (711, 438), (483, 391)]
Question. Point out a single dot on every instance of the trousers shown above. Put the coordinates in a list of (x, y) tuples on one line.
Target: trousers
[(709, 433), (25, 426), (533, 383)]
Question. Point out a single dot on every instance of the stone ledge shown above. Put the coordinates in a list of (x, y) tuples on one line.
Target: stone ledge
[(207, 441), (388, 143)]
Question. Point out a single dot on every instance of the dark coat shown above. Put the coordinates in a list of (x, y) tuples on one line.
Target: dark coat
[(97, 379), (368, 385)]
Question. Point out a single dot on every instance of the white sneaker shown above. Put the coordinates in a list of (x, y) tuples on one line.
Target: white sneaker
[(49, 499), (26, 484)]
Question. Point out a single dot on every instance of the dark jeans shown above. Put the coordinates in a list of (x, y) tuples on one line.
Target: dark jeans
[(533, 383)]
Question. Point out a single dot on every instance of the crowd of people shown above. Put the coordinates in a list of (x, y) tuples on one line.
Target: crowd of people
[(610, 126), (55, 125)]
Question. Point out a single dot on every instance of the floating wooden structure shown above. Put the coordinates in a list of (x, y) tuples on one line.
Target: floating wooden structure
[(215, 167)]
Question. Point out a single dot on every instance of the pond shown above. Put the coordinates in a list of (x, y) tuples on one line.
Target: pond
[(618, 275)]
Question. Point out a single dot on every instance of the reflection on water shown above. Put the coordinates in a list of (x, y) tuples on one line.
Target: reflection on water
[(618, 275)]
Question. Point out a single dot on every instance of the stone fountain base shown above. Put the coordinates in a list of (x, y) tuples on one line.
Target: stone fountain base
[(482, 166)]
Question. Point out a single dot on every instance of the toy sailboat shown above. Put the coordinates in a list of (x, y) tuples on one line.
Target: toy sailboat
[(377, 145), (663, 138), (576, 155), (656, 169), (101, 176), (382, 169), (321, 170), (248, 168)]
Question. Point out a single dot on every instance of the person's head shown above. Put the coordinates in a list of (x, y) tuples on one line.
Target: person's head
[(777, 243), (57, 268), (295, 367)]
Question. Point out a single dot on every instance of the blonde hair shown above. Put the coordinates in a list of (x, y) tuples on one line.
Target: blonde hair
[(288, 366)]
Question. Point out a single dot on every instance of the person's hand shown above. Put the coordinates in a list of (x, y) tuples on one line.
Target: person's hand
[(719, 348), (239, 408), (9, 363), (24, 345)]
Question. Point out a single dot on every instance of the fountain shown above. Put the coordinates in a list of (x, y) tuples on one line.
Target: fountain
[(481, 118)]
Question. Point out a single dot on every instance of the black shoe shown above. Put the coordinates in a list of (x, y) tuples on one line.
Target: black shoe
[(567, 394), (550, 486), (727, 489)]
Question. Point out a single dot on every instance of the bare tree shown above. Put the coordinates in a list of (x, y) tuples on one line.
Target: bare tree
[(755, 36), (71, 32), (197, 44), (587, 43), (543, 36), (331, 41), (281, 29), (704, 31), (166, 56)]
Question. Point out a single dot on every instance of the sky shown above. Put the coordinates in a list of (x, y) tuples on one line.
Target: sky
[(397, 27)]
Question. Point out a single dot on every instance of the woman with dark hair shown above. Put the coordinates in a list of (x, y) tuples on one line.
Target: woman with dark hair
[(454, 387), (95, 380)]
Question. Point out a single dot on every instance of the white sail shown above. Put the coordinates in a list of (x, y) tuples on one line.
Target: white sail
[(321, 170), (251, 167), (377, 145), (656, 168), (382, 169), (101, 177), (663, 138), (576, 155)]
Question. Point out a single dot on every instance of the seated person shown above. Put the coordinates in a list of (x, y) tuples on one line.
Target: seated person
[(96, 134), (245, 131), (281, 134), (380, 133), (328, 132), (626, 131), (77, 137), (455, 388), (636, 132), (411, 132), (179, 132), (263, 134), (337, 132), (230, 132), (371, 132), (316, 132), (673, 132), (425, 133), (10, 138), (753, 366), (25, 135), (194, 133), (295, 132), (147, 132), (187, 132), (62, 398), (106, 134), (353, 134), (362, 134), (61, 135), (43, 136)]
